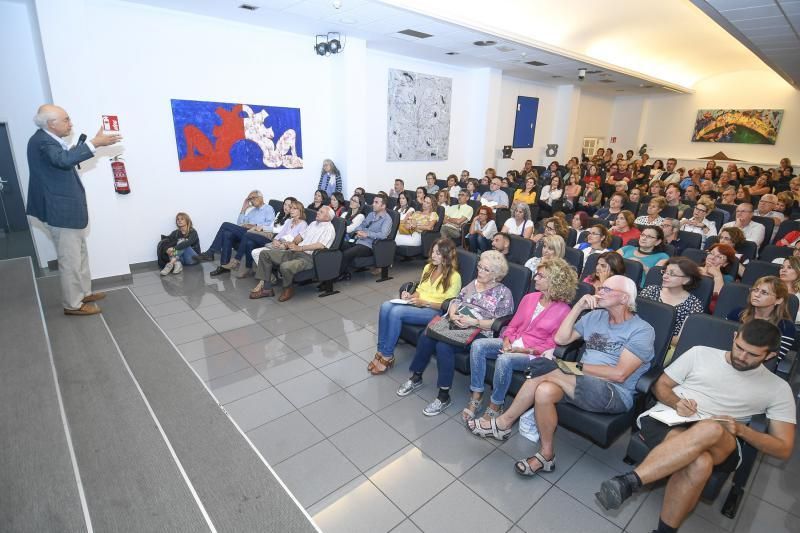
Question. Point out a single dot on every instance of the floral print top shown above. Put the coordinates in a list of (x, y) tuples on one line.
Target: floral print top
[(491, 303)]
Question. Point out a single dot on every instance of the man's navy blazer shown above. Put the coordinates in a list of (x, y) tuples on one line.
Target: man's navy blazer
[(55, 192)]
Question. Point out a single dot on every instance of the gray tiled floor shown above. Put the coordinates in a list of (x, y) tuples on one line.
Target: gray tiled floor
[(359, 458)]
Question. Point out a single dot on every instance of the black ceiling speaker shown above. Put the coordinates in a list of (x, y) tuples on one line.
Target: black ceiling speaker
[(552, 150), (507, 151)]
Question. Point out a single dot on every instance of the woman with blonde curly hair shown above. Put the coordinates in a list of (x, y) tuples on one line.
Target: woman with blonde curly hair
[(529, 334)]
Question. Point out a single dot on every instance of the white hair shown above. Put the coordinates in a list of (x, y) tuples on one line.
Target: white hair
[(43, 116), (629, 288), (257, 193), (329, 211)]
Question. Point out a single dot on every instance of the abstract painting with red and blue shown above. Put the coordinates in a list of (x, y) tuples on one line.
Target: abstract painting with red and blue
[(226, 136)]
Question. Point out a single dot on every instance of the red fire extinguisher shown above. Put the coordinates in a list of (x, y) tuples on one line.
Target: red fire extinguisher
[(120, 176)]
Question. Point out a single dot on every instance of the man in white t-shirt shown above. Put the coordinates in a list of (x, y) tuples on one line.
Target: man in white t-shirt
[(725, 389), (753, 231)]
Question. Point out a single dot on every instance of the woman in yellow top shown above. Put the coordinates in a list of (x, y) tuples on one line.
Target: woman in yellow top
[(528, 194), (410, 231), (440, 281)]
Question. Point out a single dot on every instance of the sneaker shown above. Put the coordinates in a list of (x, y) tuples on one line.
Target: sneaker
[(408, 387), (613, 492), (436, 407), (167, 269), (178, 268)]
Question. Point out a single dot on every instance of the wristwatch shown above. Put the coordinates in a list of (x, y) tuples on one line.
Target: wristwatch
[(579, 366)]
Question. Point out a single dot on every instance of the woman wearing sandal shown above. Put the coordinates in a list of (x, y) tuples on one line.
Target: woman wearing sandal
[(529, 334), (478, 305), (440, 281)]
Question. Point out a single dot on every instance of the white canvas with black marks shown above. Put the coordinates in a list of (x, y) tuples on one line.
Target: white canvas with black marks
[(419, 116)]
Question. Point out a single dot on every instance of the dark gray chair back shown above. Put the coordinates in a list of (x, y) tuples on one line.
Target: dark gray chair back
[(705, 330), (759, 269), (467, 265), (771, 252), (518, 280)]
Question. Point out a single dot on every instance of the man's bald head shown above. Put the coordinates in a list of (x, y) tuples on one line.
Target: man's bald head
[(325, 214), (53, 119)]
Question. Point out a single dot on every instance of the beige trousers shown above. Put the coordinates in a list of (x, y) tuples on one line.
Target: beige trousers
[(73, 264)]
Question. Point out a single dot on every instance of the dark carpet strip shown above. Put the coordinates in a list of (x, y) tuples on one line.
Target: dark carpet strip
[(236, 487), (131, 480), (38, 487)]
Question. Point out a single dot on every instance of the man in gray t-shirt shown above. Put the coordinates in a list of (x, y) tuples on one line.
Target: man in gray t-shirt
[(719, 389), (619, 348)]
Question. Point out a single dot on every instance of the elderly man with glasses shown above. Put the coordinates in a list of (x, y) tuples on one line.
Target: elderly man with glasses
[(766, 208), (455, 216), (753, 231), (619, 349), (255, 214)]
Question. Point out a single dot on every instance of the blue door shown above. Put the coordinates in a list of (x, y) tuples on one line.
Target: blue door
[(525, 125)]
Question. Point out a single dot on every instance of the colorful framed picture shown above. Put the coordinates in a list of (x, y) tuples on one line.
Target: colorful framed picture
[(745, 126)]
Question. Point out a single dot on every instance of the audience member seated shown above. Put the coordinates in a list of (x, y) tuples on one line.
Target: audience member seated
[(657, 190), (398, 189), (289, 258), (477, 306), (615, 206), (419, 197), (501, 242), (482, 230), (679, 276), (635, 195), (790, 276), (289, 231), (768, 207), (671, 228), (653, 216), (472, 189), (580, 223), (181, 247), (743, 195), (590, 200), (337, 203), (320, 198), (734, 386), (761, 186), (753, 231), (624, 227), (551, 170), (733, 237), (404, 205), (619, 349), (359, 191), (608, 264), (598, 240), (255, 214), (673, 196), (551, 226), (728, 196), (593, 176), (552, 246), (526, 194), (443, 197), (455, 216), (452, 186), (494, 197), (330, 179), (519, 223), (769, 301), (573, 189), (699, 223), (649, 252), (412, 226), (440, 281), (376, 225), (552, 197), (354, 215), (284, 214), (529, 334), (430, 183)]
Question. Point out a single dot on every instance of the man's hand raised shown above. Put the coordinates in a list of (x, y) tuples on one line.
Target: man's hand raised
[(101, 139)]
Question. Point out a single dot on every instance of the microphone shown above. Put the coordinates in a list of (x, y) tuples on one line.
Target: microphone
[(81, 140)]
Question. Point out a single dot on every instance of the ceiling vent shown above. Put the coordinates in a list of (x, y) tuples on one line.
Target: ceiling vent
[(485, 43), (535, 63), (556, 76), (606, 81), (593, 71), (248, 7), (451, 53), (415, 33)]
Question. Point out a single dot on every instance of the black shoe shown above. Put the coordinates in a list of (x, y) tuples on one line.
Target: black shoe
[(219, 270), (347, 276), (206, 256), (613, 492)]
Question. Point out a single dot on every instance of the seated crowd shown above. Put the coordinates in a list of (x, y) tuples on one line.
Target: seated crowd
[(619, 229)]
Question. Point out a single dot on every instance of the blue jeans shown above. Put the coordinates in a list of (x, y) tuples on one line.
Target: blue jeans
[(478, 243), (188, 256), (227, 237), (247, 244), (483, 349), (445, 359), (391, 319)]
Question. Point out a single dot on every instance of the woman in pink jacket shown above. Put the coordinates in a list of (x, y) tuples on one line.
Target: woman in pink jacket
[(529, 334)]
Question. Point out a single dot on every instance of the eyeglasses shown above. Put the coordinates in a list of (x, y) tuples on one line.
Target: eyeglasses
[(701, 210), (538, 275), (596, 233), (483, 268), (673, 274), (648, 236), (549, 228), (251, 198), (760, 292), (606, 290)]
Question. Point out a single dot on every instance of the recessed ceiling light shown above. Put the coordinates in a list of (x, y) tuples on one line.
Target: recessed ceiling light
[(451, 53), (347, 20), (505, 48), (485, 43), (415, 33), (556, 76), (248, 7)]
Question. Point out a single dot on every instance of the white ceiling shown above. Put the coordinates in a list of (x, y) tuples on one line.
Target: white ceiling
[(639, 46), (379, 23), (770, 28)]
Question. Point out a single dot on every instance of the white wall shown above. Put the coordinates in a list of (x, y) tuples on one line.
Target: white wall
[(23, 89), (593, 119)]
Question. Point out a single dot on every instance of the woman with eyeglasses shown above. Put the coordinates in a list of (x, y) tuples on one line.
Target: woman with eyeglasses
[(679, 276), (624, 227), (552, 246), (481, 231), (410, 231), (608, 264), (354, 215), (615, 205), (649, 252), (440, 281), (598, 240), (520, 221), (698, 223), (477, 305), (790, 276), (529, 334), (552, 226), (768, 301)]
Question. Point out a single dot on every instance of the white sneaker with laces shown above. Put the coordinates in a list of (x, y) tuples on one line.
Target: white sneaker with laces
[(178, 268), (167, 269)]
